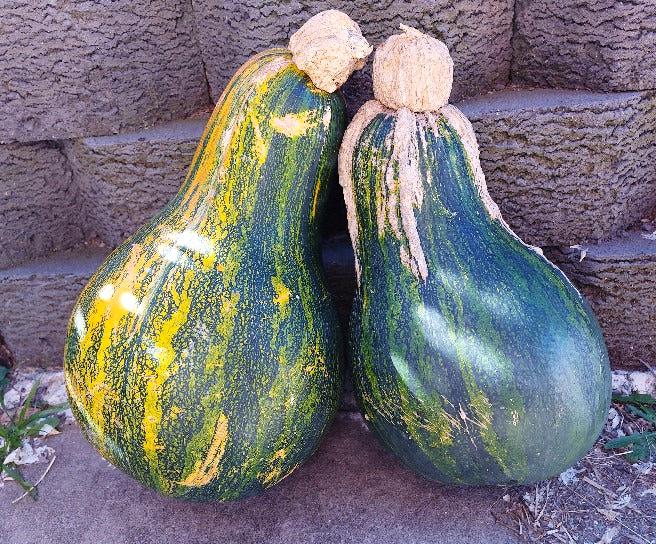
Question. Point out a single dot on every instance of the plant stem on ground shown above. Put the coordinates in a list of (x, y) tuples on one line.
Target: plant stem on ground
[(641, 443), (24, 422)]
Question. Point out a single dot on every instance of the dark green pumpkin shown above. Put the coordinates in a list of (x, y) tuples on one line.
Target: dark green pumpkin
[(474, 359), (203, 357)]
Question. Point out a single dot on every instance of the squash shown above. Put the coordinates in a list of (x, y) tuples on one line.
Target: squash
[(203, 357), (474, 359)]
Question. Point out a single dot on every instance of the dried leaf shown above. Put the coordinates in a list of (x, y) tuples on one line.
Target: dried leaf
[(47, 430), (569, 476), (621, 503), (644, 468), (27, 455)]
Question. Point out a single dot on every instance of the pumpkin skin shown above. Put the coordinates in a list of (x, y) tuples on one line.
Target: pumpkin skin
[(474, 359), (203, 357)]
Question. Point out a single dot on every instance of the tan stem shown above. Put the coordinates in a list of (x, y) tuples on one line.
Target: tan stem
[(413, 70), (329, 47)]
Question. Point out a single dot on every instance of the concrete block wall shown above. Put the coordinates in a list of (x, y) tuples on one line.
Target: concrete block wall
[(568, 166), (619, 277), (74, 68), (125, 179), (585, 44), (39, 206), (103, 104), (478, 34)]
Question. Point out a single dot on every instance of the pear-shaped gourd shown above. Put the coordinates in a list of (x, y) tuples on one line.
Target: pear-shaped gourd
[(474, 359), (203, 357)]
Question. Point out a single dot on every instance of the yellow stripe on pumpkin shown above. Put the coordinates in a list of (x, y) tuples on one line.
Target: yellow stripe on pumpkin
[(207, 469), (166, 367), (282, 294), (294, 125), (107, 311)]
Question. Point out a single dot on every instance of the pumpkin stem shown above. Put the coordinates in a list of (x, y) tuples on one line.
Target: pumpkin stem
[(329, 47), (413, 70)]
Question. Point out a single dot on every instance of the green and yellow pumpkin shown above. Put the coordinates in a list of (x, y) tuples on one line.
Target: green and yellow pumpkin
[(203, 357), (474, 359)]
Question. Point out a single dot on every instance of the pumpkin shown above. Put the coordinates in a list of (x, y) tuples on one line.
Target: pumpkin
[(203, 357), (474, 359)]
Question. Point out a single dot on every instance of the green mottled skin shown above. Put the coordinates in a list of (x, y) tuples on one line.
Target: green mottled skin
[(494, 369), (217, 373)]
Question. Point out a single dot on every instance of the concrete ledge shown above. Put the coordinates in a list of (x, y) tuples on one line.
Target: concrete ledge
[(478, 34), (619, 280), (351, 491), (600, 45), (36, 300), (79, 68), (567, 167), (39, 207), (126, 179)]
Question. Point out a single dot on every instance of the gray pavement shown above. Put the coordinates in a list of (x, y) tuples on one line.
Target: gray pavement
[(351, 491)]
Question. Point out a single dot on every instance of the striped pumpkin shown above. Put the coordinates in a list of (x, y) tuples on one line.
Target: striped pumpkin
[(203, 357), (475, 360)]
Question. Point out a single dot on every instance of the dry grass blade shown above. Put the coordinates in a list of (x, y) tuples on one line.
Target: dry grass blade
[(35, 484), (599, 487), (544, 506)]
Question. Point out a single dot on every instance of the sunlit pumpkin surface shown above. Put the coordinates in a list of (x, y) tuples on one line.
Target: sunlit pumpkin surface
[(203, 356), (475, 360)]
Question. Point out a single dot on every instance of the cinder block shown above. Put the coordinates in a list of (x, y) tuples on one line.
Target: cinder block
[(73, 68), (36, 300), (619, 279), (478, 34), (39, 207), (125, 180), (586, 44), (567, 166)]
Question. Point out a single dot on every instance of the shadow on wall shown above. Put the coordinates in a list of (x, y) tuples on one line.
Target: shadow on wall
[(6, 356)]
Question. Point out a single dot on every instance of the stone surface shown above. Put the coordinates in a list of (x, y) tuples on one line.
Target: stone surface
[(39, 206), (626, 382), (76, 68), (36, 301), (477, 33), (619, 280), (350, 491), (589, 44), (567, 167), (124, 180)]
